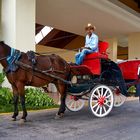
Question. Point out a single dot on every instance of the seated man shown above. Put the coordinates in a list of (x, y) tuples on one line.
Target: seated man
[(91, 44)]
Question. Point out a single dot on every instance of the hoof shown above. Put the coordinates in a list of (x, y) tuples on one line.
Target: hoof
[(57, 117), (13, 119), (22, 121)]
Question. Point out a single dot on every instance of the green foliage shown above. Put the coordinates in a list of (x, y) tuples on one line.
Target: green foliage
[(2, 76), (35, 99), (5, 96), (132, 89)]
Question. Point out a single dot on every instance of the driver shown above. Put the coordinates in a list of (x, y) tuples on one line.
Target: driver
[(91, 44)]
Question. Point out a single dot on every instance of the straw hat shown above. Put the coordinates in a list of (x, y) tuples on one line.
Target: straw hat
[(90, 26)]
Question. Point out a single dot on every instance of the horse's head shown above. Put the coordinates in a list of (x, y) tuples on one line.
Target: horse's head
[(4, 49)]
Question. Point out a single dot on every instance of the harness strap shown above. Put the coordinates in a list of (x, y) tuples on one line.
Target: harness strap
[(14, 56), (9, 58)]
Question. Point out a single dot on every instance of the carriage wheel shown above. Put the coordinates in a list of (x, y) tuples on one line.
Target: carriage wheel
[(73, 103), (119, 99), (101, 101)]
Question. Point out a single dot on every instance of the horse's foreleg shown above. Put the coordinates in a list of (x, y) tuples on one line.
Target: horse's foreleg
[(21, 91), (15, 100), (15, 114)]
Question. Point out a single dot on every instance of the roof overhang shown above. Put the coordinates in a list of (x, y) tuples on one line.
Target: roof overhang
[(110, 19)]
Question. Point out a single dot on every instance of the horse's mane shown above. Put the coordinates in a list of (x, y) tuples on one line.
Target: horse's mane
[(3, 44)]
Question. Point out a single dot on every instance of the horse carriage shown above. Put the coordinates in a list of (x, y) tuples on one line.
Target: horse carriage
[(102, 82)]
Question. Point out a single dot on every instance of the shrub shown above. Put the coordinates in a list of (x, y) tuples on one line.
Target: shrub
[(132, 89), (2, 78), (5, 96), (35, 99)]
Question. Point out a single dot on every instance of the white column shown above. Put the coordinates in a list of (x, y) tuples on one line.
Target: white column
[(18, 24), (134, 46), (25, 24), (112, 50), (8, 22)]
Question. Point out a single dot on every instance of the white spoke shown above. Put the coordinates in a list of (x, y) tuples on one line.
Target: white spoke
[(78, 103), (97, 108), (105, 92), (69, 101), (108, 96), (101, 110), (95, 105), (116, 98), (95, 101), (95, 96), (108, 101), (107, 105), (102, 90), (74, 105), (104, 109), (71, 104), (120, 98), (98, 93)]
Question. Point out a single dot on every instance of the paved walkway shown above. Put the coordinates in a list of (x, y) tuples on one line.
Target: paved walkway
[(122, 124)]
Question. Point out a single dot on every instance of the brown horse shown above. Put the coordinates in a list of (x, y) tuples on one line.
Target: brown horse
[(28, 77)]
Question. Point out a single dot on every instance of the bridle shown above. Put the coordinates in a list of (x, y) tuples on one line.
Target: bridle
[(3, 58)]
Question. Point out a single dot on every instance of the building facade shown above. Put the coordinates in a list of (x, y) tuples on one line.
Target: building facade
[(117, 22)]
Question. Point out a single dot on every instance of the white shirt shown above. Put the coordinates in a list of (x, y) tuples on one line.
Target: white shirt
[(92, 42)]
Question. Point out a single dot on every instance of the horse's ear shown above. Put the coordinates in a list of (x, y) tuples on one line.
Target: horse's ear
[(2, 42)]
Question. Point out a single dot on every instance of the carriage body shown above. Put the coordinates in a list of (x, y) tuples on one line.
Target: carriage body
[(130, 69), (99, 74), (131, 73), (87, 80)]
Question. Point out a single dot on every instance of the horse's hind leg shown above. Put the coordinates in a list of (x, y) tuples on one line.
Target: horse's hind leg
[(22, 100), (61, 88), (15, 99)]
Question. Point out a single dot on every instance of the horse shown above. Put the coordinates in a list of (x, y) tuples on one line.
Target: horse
[(22, 77)]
